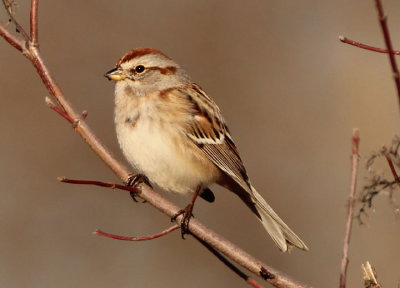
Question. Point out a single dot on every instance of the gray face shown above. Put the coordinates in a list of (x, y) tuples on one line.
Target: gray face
[(152, 72)]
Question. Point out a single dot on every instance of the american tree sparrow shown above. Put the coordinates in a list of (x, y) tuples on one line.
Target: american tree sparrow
[(170, 130)]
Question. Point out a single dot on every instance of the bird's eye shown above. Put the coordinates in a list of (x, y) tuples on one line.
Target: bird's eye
[(139, 68)]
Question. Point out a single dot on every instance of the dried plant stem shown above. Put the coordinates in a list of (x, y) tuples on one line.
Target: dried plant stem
[(369, 276), (30, 49), (350, 206)]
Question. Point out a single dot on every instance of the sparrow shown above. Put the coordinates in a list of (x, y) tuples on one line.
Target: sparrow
[(172, 132)]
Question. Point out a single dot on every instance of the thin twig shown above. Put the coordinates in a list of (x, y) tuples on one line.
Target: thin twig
[(11, 39), (142, 238), (98, 183), (384, 151), (58, 110), (18, 27), (350, 206), (364, 46), (34, 22), (388, 42)]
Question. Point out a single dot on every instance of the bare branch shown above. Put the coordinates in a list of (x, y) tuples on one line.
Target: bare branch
[(8, 5), (390, 163), (142, 238), (388, 42), (145, 192), (350, 206), (58, 110), (11, 39), (34, 22), (98, 183), (364, 46)]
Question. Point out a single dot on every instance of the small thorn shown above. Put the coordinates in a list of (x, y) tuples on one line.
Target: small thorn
[(61, 178)]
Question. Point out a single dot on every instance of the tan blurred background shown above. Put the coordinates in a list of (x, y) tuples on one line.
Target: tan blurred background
[(291, 93)]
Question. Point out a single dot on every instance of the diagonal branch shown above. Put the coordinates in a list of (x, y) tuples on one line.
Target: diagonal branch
[(384, 151), (32, 52), (238, 272)]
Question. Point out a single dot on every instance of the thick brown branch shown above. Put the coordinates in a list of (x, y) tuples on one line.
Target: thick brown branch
[(388, 42), (364, 46), (350, 206)]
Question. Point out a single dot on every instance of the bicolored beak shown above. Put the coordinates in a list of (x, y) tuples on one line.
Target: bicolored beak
[(115, 74)]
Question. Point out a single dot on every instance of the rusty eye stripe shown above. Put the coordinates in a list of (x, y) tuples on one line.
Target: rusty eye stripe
[(165, 70)]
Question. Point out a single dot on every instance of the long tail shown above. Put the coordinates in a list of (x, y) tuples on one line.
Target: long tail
[(282, 235)]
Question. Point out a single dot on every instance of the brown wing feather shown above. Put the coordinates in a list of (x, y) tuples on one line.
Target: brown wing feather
[(210, 133)]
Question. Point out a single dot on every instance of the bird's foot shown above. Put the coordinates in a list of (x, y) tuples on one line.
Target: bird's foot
[(187, 214), (134, 180)]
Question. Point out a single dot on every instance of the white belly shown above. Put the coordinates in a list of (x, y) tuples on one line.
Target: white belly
[(158, 152)]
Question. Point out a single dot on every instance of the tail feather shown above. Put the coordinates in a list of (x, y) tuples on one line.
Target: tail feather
[(282, 235)]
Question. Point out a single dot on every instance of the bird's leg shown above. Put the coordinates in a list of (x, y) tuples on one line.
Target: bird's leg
[(187, 214), (134, 180)]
